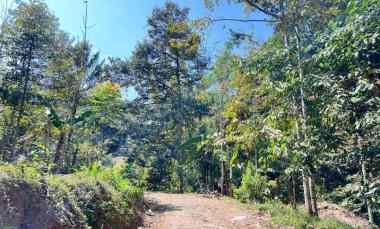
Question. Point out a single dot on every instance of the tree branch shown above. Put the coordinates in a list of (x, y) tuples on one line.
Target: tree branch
[(242, 20), (258, 7)]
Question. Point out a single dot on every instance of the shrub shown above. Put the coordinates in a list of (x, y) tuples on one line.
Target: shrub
[(254, 187), (116, 178), (20, 170), (136, 175)]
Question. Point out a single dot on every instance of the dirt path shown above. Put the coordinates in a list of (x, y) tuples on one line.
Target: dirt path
[(191, 211)]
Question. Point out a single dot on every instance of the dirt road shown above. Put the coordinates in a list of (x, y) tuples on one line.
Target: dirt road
[(192, 211)]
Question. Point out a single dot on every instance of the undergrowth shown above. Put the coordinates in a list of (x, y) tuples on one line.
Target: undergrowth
[(298, 218)]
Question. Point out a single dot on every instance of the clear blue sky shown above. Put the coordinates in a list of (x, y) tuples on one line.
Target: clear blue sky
[(116, 26)]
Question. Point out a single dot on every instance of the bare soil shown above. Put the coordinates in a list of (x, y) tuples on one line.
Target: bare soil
[(333, 211), (193, 211)]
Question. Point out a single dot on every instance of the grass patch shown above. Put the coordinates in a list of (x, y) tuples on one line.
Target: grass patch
[(287, 216)]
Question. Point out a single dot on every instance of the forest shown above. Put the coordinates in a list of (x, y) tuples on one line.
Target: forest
[(284, 126)]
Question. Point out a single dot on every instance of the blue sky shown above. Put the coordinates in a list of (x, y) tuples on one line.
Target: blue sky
[(116, 26)]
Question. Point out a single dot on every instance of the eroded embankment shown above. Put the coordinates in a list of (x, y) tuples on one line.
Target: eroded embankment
[(69, 201)]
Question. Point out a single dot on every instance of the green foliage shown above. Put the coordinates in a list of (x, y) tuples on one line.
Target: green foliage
[(254, 187), (136, 174), (166, 82), (308, 98), (25, 51), (298, 218), (115, 176), (351, 195), (22, 170), (52, 94)]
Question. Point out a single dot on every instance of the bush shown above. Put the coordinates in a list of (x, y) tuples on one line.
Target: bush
[(95, 197), (103, 205), (254, 187), (135, 174)]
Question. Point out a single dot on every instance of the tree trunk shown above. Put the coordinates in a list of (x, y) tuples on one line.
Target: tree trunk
[(313, 196), (292, 192), (179, 124), (75, 156), (294, 199), (21, 108), (228, 173), (256, 162), (365, 184), (58, 150), (307, 183), (222, 178), (178, 157), (180, 175), (230, 180), (212, 176), (181, 178), (72, 116), (206, 177), (306, 193)]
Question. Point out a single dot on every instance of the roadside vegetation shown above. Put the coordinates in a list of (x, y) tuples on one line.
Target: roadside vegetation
[(287, 216), (96, 197)]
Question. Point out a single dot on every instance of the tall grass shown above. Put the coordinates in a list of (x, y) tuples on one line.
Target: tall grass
[(114, 176), (298, 218)]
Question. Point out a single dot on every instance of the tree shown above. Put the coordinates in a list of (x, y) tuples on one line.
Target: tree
[(68, 87), (297, 23), (25, 47), (347, 83), (167, 67)]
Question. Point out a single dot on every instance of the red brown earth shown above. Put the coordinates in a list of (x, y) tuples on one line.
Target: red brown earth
[(193, 211)]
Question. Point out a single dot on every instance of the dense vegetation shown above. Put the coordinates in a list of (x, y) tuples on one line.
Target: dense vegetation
[(295, 119)]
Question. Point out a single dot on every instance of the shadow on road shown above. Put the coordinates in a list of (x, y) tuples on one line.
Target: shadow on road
[(157, 207)]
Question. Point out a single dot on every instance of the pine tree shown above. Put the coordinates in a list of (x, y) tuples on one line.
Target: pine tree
[(167, 66)]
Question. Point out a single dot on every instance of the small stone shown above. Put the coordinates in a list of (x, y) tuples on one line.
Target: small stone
[(149, 212), (238, 218)]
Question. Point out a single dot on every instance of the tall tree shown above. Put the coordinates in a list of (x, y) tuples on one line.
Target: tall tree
[(167, 66), (69, 86), (348, 85), (25, 47), (298, 23)]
